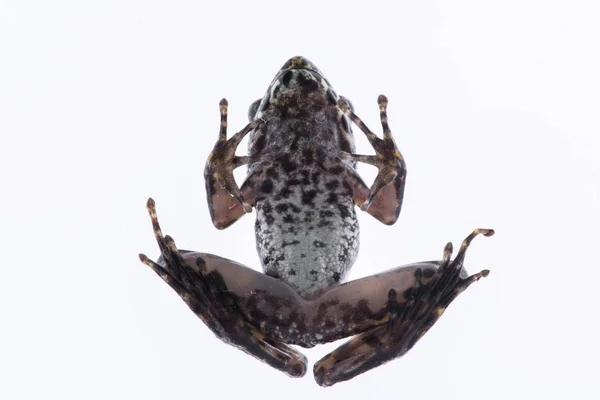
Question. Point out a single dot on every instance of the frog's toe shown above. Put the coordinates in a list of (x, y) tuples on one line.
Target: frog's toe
[(272, 352)]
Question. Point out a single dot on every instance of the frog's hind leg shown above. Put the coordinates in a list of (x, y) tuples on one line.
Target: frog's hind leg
[(273, 352), (206, 294), (192, 287), (426, 301)]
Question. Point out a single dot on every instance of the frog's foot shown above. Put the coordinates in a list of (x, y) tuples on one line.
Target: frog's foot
[(226, 201), (206, 294), (425, 303), (384, 199)]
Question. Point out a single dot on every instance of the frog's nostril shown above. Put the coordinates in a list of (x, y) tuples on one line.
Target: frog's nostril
[(306, 81), (286, 78), (299, 79)]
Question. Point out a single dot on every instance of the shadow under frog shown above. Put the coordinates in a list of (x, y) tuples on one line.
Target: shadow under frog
[(303, 183)]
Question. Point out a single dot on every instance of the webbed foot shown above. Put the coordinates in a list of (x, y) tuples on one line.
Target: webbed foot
[(384, 199), (425, 302), (206, 294)]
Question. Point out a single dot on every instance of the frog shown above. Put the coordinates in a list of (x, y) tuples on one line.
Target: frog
[(302, 180)]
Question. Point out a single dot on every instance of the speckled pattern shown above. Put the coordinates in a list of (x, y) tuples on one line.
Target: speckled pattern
[(306, 228), (307, 236), (304, 186)]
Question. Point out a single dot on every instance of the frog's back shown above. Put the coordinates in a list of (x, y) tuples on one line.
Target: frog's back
[(306, 227)]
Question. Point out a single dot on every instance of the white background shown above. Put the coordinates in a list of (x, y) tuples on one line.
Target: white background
[(494, 105)]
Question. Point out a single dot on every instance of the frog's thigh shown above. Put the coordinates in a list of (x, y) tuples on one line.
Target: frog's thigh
[(241, 281), (393, 292), (243, 328), (412, 306)]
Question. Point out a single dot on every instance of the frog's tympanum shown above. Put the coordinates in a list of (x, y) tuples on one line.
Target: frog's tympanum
[(303, 183)]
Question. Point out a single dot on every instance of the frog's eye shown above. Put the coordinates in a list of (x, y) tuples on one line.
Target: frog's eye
[(253, 109), (347, 101)]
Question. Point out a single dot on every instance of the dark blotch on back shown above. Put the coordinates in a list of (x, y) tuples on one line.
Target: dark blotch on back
[(272, 173), (287, 164), (305, 175), (329, 324), (308, 196), (315, 178), (332, 185), (308, 156), (259, 144), (267, 210), (344, 212), (336, 169), (332, 198), (325, 213), (282, 207), (284, 192), (266, 186)]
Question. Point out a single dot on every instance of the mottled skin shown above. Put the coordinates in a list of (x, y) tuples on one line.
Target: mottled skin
[(303, 183), (305, 189)]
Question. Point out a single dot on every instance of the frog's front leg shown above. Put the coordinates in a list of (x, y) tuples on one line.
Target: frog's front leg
[(384, 199), (226, 201), (200, 280), (410, 315)]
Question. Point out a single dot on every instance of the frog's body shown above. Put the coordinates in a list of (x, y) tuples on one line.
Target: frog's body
[(306, 226), (303, 183), (306, 235)]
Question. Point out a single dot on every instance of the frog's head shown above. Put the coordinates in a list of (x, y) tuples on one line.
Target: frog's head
[(299, 87)]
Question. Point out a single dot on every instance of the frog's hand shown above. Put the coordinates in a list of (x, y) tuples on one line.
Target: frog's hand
[(384, 199), (423, 304), (204, 290), (226, 201)]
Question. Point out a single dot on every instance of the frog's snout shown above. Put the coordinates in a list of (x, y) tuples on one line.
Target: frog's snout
[(298, 62), (300, 79)]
